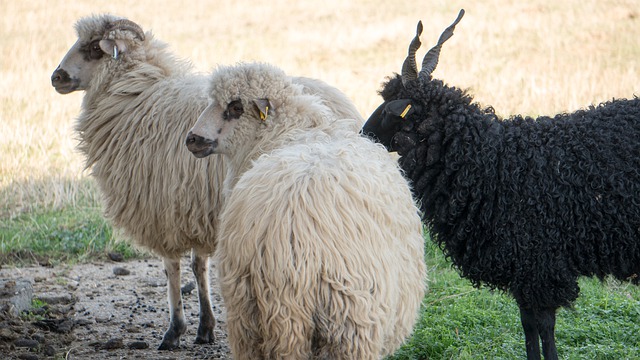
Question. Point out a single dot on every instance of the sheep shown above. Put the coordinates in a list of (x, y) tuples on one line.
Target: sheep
[(137, 96), (520, 204), (320, 245)]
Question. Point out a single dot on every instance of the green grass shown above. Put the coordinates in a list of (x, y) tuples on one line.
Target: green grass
[(458, 321), (50, 236)]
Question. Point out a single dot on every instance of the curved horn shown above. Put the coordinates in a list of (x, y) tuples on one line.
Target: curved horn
[(409, 67), (125, 24), (430, 60)]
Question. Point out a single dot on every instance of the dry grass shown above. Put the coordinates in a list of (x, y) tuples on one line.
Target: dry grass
[(534, 57)]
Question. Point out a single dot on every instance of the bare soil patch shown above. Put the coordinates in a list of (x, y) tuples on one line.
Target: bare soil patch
[(90, 312)]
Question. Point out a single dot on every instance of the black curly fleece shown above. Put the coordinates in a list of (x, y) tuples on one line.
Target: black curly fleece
[(521, 204)]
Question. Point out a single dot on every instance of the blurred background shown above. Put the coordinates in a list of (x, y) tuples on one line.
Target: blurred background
[(533, 57)]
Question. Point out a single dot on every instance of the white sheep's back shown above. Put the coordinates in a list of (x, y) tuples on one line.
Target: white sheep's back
[(329, 214)]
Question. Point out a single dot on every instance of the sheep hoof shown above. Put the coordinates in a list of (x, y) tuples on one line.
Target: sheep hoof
[(171, 340), (206, 338), (169, 345)]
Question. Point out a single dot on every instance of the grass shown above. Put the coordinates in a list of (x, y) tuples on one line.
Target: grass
[(458, 321), (533, 57), (52, 236)]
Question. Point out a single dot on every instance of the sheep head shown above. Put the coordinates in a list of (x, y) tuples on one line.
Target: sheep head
[(101, 39), (399, 93), (240, 109), (216, 125)]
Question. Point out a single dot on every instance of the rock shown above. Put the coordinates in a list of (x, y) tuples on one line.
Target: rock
[(120, 271), (102, 320), (65, 326), (38, 337), (53, 298), (28, 343), (138, 345), (188, 288), (8, 334), (15, 296), (49, 351), (28, 357), (117, 257), (62, 326), (113, 344)]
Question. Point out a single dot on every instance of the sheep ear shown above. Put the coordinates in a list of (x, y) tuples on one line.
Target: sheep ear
[(113, 47), (400, 108), (263, 106)]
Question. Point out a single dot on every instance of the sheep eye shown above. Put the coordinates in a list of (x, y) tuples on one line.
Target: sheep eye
[(234, 110), (95, 52)]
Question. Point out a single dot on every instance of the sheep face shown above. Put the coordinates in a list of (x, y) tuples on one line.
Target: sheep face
[(216, 130), (388, 119), (101, 39), (240, 113), (214, 123), (404, 95)]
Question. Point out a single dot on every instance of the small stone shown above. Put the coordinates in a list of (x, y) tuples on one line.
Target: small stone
[(56, 298), (117, 257), (49, 351), (65, 326), (8, 334), (38, 337), (28, 343), (102, 320), (188, 288), (15, 296), (138, 345), (113, 344), (28, 357), (120, 271)]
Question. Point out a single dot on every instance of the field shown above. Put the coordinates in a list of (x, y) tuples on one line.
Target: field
[(535, 57)]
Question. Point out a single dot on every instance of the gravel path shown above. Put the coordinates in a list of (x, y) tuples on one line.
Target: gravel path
[(92, 313)]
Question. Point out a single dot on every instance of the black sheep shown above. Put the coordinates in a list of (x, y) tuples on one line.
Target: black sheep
[(520, 204)]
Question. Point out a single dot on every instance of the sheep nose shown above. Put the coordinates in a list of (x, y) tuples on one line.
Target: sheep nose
[(199, 146), (193, 139), (59, 76)]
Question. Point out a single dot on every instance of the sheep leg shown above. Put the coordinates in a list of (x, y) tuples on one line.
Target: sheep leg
[(546, 326), (200, 267), (178, 324), (531, 335), (243, 326)]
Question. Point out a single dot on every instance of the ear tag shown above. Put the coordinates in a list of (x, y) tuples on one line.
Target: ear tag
[(263, 106), (115, 52), (263, 115), (405, 111)]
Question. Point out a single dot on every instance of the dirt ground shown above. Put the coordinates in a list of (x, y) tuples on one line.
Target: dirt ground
[(92, 313)]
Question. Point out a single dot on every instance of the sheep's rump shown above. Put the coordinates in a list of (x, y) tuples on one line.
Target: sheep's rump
[(327, 229), (559, 194)]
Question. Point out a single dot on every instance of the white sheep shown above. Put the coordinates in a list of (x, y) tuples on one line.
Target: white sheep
[(139, 103), (320, 244)]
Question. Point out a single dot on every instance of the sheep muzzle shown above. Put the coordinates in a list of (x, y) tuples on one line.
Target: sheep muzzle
[(62, 81), (199, 146)]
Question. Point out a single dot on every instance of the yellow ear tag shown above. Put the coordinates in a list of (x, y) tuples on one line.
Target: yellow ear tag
[(405, 111), (263, 115)]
